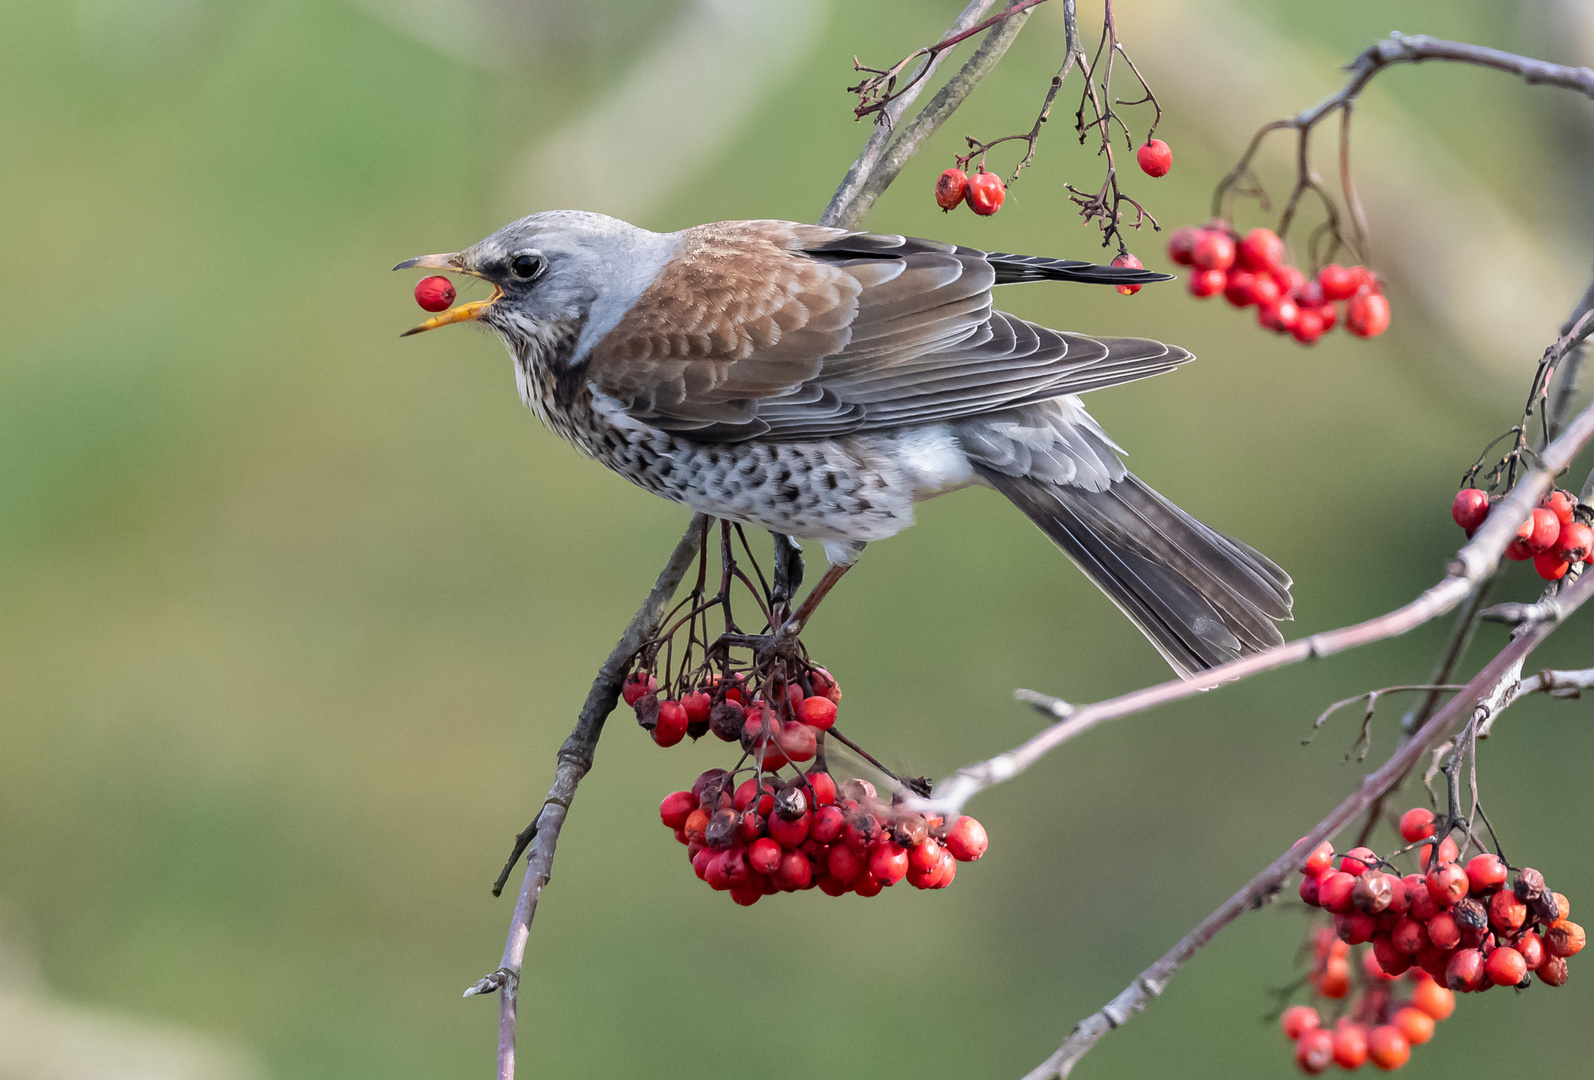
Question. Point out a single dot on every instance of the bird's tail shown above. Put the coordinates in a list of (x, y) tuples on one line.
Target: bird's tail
[(1201, 597)]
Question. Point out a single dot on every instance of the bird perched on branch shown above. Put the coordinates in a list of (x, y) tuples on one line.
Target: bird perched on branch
[(817, 383)]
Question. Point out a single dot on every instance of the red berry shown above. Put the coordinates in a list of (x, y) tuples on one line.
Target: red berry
[(1205, 283), (1465, 970), (1561, 503), (435, 294), (1389, 961), (1433, 999), (1261, 251), (1181, 245), (985, 193), (1278, 317), (1320, 859), (966, 839), (1387, 1047), (1551, 567), (697, 707), (1265, 291), (844, 864), (1298, 1020), (1335, 982), (816, 711), (1155, 158), (1505, 966), (671, 725), (1546, 529), (676, 807), (1531, 946), (797, 741), (1575, 543), (1288, 278), (1443, 932), (1330, 316), (1469, 509), (823, 787), (789, 834), (795, 872), (1447, 883), (1447, 852), (1350, 1045), (637, 686), (1506, 912), (1416, 824), (1314, 1051), (1337, 282), (1240, 289), (1213, 251), (1421, 906), (950, 188), (828, 822), (1334, 891), (1485, 873), (1408, 936), (1413, 1023), (1308, 326), (1368, 315), (764, 855), (1308, 891), (1125, 259), (888, 861), (924, 856), (1358, 860), (1356, 928)]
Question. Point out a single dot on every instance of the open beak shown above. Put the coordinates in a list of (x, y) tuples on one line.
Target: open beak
[(460, 313)]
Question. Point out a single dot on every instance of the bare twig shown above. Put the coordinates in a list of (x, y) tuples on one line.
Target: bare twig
[(911, 136), (1472, 563), (846, 207), (876, 93), (1491, 690), (1571, 364), (574, 759), (1395, 50)]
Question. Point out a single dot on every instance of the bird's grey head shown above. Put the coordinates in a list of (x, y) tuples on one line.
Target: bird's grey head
[(561, 271)]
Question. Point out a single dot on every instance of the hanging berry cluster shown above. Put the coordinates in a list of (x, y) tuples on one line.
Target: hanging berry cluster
[(766, 835), (1556, 536), (1252, 271), (1454, 928)]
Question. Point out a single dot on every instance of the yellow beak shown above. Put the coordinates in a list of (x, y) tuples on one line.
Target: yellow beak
[(463, 312)]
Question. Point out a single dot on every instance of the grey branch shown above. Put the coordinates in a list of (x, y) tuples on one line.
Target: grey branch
[(1492, 689), (575, 758), (1472, 564)]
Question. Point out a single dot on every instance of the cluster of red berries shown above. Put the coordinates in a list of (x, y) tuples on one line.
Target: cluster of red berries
[(773, 734), (1459, 926), (434, 293), (984, 191), (771, 835), (1556, 536), (1379, 1026), (1251, 271)]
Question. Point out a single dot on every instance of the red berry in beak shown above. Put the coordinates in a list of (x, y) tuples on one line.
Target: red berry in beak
[(434, 293)]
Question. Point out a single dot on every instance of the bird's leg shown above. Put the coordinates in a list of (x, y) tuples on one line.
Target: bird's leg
[(788, 575), (727, 568), (784, 640)]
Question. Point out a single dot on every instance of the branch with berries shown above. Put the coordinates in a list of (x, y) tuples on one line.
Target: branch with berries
[(1253, 270), (1106, 207)]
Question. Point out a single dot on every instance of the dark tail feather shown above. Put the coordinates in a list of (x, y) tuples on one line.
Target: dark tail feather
[(1201, 597), (1016, 268)]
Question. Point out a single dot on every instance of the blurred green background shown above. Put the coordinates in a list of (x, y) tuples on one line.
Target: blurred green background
[(294, 614)]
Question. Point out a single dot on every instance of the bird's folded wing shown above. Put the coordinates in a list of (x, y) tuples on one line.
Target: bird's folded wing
[(778, 330)]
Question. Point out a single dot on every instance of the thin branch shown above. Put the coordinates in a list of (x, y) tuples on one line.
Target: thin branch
[(1490, 691), (1571, 365), (574, 759), (1472, 563), (847, 206)]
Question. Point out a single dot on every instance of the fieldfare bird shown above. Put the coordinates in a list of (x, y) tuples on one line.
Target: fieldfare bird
[(818, 382)]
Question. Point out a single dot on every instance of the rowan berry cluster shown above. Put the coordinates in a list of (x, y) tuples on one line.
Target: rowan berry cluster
[(983, 192), (767, 835), (734, 708), (1454, 928), (1556, 536), (1251, 271)]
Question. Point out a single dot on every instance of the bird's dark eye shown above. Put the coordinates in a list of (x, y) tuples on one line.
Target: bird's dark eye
[(526, 266)]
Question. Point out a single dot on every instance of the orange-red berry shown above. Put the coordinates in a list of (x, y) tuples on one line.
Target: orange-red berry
[(1299, 1019), (1387, 1047), (986, 193), (1155, 158), (950, 188), (1368, 314), (1314, 1051), (1124, 258), (1213, 251), (435, 294), (1485, 873), (1350, 1045)]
